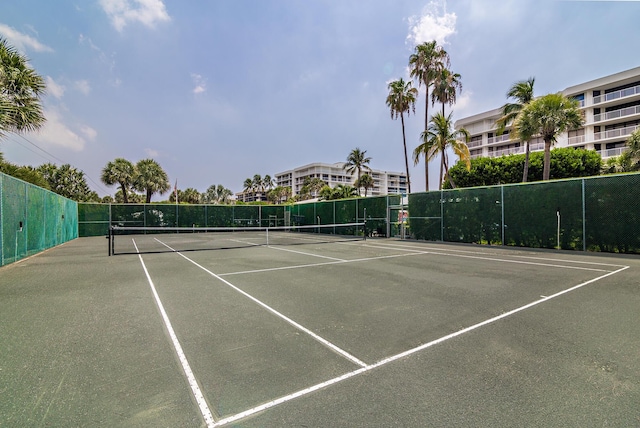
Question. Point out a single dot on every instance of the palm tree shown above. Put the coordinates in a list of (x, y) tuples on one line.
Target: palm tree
[(365, 181), (548, 116), (356, 162), (425, 64), (402, 99), (437, 139), (20, 91), (217, 195), (445, 87), (633, 143), (522, 93), (257, 183), (150, 178), (122, 172), (267, 182), (248, 184)]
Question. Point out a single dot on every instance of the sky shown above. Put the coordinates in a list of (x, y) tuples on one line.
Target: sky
[(217, 91)]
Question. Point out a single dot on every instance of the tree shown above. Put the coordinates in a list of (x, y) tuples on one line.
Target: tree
[(401, 100), (548, 116), (267, 182), (248, 184), (24, 173), (20, 91), (439, 137), (68, 182), (633, 143), (311, 188), (445, 87), (217, 195), (341, 191), (190, 196), (119, 171), (150, 178), (365, 181), (425, 64), (522, 93), (257, 183), (356, 162)]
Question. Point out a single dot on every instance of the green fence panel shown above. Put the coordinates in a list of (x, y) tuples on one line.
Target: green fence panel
[(425, 215), (613, 214), (192, 216), (220, 216), (32, 219), (346, 211), (472, 215), (246, 215), (532, 211), (272, 215)]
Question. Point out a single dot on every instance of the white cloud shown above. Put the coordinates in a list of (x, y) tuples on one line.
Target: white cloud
[(55, 133), (88, 132), (433, 24), (151, 152), (146, 12), (22, 41), (54, 88), (199, 82), (83, 86)]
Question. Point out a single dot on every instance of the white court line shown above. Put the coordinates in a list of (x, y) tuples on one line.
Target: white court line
[(506, 248), (396, 357), (193, 383), (466, 256), (318, 264), (273, 311), (308, 254)]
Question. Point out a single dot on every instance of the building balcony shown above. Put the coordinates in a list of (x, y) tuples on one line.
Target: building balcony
[(506, 152), (498, 139), (611, 96), (614, 133), (577, 140), (609, 153), (615, 114)]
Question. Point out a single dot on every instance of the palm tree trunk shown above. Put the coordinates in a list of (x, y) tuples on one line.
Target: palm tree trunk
[(148, 199), (441, 169), (406, 159), (525, 173), (546, 172), (426, 125), (446, 174), (125, 197)]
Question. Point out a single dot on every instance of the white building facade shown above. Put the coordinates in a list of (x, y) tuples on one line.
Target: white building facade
[(385, 182), (611, 107)]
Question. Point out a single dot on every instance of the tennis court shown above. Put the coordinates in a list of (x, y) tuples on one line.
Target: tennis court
[(376, 332)]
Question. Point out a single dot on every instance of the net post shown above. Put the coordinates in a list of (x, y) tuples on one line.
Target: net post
[(109, 238)]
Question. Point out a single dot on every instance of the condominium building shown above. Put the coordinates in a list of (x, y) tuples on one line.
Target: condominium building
[(385, 182), (611, 107)]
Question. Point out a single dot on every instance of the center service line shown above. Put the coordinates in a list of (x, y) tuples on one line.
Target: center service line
[(273, 311), (195, 389)]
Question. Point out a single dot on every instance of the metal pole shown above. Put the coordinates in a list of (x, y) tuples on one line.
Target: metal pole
[(502, 209), (584, 218), (558, 214)]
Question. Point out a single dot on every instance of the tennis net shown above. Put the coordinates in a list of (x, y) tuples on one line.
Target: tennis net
[(133, 240)]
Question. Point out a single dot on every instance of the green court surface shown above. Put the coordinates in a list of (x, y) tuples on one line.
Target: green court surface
[(373, 333)]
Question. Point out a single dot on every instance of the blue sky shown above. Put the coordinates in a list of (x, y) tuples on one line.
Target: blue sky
[(217, 91)]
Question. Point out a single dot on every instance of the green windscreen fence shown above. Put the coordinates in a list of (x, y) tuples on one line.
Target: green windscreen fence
[(32, 219), (594, 214), (94, 219)]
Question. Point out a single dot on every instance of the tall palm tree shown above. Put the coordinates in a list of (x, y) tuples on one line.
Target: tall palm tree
[(633, 143), (122, 172), (425, 64), (150, 178), (20, 91), (437, 139), (445, 87), (401, 100), (548, 116), (522, 93), (356, 162)]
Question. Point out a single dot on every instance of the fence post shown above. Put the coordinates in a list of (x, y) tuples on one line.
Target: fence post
[(584, 217)]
